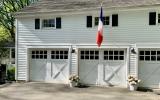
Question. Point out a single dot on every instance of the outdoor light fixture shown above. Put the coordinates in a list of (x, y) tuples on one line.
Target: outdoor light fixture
[(133, 51), (73, 51)]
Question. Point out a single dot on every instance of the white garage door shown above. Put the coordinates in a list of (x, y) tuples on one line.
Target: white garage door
[(113, 61), (149, 67), (49, 65)]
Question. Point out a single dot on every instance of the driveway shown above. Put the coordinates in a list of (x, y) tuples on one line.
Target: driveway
[(48, 91)]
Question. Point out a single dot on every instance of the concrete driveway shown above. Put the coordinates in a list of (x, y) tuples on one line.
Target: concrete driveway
[(48, 91)]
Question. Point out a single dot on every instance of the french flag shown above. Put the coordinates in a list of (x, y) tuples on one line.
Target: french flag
[(99, 37)]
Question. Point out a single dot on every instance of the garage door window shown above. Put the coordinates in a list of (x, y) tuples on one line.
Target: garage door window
[(149, 55), (56, 54), (39, 54), (113, 55), (90, 55)]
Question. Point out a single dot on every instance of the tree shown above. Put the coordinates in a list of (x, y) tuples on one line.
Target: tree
[(7, 7)]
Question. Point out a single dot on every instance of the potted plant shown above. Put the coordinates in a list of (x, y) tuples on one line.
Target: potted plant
[(133, 82), (74, 80)]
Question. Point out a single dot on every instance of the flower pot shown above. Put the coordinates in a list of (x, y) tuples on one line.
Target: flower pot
[(72, 84), (133, 87)]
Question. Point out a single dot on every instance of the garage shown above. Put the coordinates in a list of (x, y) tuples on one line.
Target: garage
[(113, 62), (149, 67), (49, 65)]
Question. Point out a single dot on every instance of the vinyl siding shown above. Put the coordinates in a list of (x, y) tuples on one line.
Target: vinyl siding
[(133, 29)]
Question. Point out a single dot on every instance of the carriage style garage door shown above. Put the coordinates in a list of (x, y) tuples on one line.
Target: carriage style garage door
[(149, 67), (49, 65), (113, 61)]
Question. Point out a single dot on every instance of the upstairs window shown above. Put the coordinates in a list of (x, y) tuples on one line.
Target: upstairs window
[(48, 23), (105, 20), (52, 23), (152, 18)]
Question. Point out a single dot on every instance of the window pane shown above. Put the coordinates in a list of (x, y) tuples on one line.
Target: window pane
[(96, 57), (121, 58), (147, 52), (37, 52), (41, 52), (82, 57), (45, 56), (153, 58), (33, 56), (91, 57), (153, 52), (105, 57), (110, 52), (33, 52), (147, 58), (158, 58), (53, 56), (96, 21), (57, 52), (61, 56), (45, 52), (86, 57), (57, 56), (41, 56), (66, 52), (115, 52), (37, 56), (121, 52), (141, 52), (65, 57), (87, 52), (96, 53), (141, 58), (91, 52), (115, 57), (110, 57), (53, 52), (82, 52), (105, 52)]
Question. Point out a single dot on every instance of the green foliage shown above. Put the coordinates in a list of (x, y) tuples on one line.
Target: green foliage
[(7, 7), (11, 73), (4, 36)]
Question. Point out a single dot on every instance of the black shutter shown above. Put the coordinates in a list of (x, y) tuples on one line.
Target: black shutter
[(89, 21), (152, 18), (115, 20), (37, 23), (58, 22)]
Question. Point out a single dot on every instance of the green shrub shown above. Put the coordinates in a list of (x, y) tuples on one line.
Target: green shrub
[(11, 73)]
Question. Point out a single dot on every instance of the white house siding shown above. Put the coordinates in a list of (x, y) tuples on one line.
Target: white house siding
[(133, 29)]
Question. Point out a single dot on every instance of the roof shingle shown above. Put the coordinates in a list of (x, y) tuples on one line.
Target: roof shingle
[(63, 5)]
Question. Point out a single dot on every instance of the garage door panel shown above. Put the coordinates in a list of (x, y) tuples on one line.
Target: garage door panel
[(50, 65), (38, 66), (112, 61), (88, 72), (149, 68)]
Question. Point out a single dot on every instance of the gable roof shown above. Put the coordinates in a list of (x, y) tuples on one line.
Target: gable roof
[(73, 5)]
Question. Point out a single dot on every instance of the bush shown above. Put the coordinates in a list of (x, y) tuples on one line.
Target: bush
[(11, 73)]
